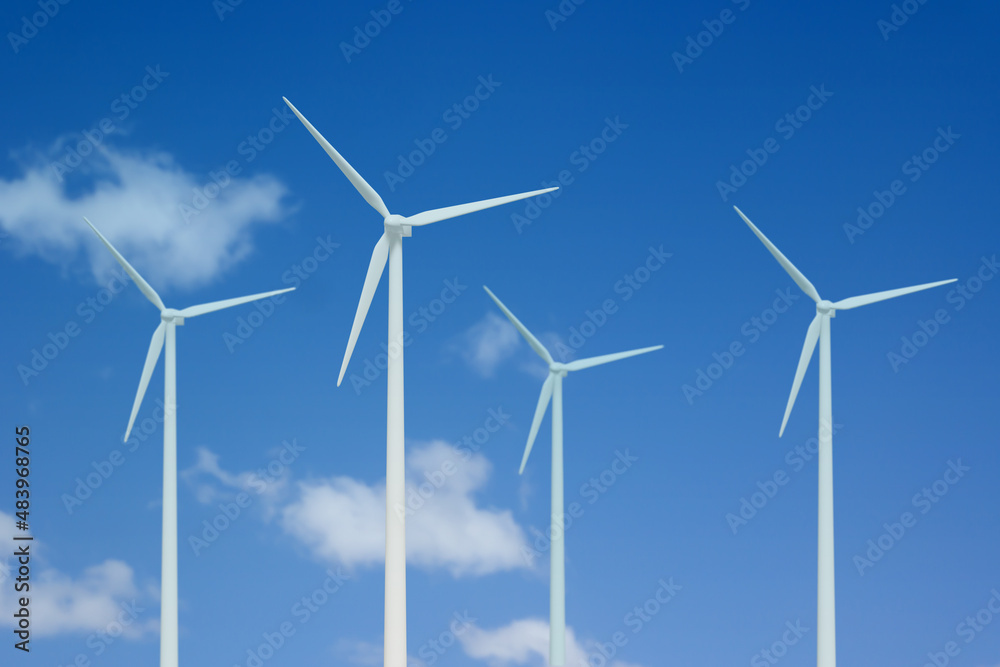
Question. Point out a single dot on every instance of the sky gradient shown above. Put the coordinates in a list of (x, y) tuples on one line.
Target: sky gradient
[(860, 137)]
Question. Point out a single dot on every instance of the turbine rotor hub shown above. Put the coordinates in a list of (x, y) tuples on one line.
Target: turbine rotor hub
[(171, 315), (825, 307), (558, 368), (397, 224)]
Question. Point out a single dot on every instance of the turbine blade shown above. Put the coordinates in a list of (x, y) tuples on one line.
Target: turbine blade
[(139, 282), (152, 356), (375, 268), (532, 341), (796, 275), (580, 364), (360, 184), (438, 214), (812, 336), (865, 299), (536, 422), (194, 311)]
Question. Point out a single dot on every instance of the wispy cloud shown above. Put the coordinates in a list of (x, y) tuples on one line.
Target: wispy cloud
[(342, 520), (363, 653), (134, 199), (525, 642), (62, 604), (487, 343), (213, 484)]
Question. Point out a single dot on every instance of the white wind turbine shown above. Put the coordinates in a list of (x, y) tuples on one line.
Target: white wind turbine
[(819, 331), (165, 333), (390, 248), (552, 390)]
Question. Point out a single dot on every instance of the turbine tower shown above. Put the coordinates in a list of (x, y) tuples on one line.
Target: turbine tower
[(389, 248), (165, 335), (552, 391), (819, 331)]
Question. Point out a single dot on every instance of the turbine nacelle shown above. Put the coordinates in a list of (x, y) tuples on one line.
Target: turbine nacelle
[(558, 368), (169, 315), (398, 224)]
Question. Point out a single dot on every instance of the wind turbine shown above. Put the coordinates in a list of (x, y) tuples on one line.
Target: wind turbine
[(390, 248), (165, 334), (819, 330), (552, 390)]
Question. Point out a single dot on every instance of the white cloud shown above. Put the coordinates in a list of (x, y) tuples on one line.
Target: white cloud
[(343, 520), (135, 199), (268, 486), (95, 601), (92, 602), (558, 346), (493, 339), (361, 653), (340, 519), (270, 481), (525, 642), (487, 343), (366, 653), (207, 464)]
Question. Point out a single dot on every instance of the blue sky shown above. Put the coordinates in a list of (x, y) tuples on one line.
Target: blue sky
[(658, 119)]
